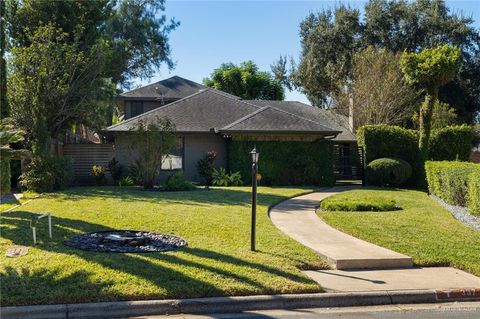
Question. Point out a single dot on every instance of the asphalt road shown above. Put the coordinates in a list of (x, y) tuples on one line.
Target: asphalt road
[(456, 310)]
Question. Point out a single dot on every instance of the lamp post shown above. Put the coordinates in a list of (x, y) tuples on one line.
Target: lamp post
[(255, 156)]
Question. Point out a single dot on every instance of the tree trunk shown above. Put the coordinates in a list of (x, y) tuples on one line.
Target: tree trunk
[(425, 123)]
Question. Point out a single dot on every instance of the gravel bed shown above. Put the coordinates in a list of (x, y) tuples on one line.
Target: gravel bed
[(126, 241), (460, 213)]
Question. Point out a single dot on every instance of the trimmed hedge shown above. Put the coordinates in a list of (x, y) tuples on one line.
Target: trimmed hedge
[(451, 143), (345, 202), (452, 182), (47, 174), (387, 172), (380, 141), (285, 162), (474, 193)]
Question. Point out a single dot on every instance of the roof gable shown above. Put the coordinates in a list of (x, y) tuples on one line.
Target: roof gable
[(172, 88)]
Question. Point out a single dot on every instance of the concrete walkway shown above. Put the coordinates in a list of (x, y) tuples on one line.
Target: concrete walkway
[(360, 266), (296, 217)]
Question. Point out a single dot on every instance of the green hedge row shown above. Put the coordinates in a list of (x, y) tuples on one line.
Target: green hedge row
[(451, 143), (457, 183), (380, 141), (285, 162)]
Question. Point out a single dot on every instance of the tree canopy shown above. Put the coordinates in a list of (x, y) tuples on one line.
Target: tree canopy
[(245, 81), (330, 38)]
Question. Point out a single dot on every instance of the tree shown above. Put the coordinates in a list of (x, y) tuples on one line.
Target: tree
[(8, 135), (133, 35), (330, 38), (246, 82), (430, 69), (4, 109), (377, 92), (151, 140)]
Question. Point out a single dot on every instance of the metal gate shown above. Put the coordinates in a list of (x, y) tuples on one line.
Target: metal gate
[(348, 162)]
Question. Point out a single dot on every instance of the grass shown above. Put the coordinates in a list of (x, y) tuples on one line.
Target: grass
[(216, 262), (422, 229), (353, 203), (26, 196)]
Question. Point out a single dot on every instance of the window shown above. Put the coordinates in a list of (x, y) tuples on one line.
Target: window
[(174, 160), (136, 108)]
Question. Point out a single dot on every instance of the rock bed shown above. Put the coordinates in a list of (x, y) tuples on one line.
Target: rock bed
[(460, 213), (126, 241)]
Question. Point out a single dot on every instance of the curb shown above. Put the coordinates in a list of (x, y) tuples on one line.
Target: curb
[(235, 304)]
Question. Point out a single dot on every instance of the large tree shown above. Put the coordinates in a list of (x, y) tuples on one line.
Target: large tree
[(133, 35), (330, 38), (4, 109), (245, 81), (377, 93), (55, 85)]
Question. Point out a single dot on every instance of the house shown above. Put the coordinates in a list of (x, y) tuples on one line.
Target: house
[(208, 119)]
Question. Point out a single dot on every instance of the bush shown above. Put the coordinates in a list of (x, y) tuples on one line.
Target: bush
[(474, 193), (450, 180), (98, 172), (221, 178), (387, 172), (379, 141), (45, 174), (126, 181), (349, 203), (451, 143), (115, 170), (286, 162), (205, 167), (176, 182), (5, 174)]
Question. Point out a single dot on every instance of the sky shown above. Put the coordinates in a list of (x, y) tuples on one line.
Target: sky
[(214, 32)]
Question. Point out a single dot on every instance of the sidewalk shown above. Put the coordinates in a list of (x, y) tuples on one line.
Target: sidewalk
[(359, 265)]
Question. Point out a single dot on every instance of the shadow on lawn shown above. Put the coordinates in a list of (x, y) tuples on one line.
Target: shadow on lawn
[(216, 196), (169, 271)]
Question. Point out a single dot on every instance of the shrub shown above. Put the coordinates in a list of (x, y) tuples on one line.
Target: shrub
[(474, 193), (349, 203), (221, 178), (126, 181), (450, 180), (451, 143), (286, 162), (379, 141), (98, 172), (387, 172), (5, 176), (205, 167), (176, 182), (45, 174), (115, 170)]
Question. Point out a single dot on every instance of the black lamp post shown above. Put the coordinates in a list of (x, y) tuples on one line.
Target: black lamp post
[(255, 156)]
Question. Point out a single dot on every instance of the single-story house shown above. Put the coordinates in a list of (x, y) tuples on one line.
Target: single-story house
[(208, 119)]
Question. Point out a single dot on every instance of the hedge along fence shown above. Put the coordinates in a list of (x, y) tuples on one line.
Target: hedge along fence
[(457, 183), (449, 143), (285, 162)]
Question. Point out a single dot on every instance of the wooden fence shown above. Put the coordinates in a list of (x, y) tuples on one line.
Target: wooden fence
[(84, 156)]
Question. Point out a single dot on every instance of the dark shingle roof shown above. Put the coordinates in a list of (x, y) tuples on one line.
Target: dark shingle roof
[(199, 112), (271, 119), (325, 117), (172, 88)]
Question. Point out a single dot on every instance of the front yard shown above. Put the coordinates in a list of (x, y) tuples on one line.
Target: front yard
[(422, 229), (217, 260)]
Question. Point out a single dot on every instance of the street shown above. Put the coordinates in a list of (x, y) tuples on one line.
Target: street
[(454, 310)]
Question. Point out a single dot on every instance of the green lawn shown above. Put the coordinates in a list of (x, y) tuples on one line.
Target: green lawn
[(26, 196), (217, 261), (422, 229)]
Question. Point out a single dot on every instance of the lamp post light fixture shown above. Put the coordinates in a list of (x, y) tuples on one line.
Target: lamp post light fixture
[(255, 156)]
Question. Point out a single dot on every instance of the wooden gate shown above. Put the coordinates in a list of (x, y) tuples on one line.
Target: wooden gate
[(348, 162)]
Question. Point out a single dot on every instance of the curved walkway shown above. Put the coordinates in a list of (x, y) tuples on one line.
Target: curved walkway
[(296, 217)]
